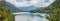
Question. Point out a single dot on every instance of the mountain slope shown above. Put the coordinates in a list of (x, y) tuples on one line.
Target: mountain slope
[(14, 8)]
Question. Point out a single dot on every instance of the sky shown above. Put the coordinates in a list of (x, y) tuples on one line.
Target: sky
[(40, 3), (35, 3)]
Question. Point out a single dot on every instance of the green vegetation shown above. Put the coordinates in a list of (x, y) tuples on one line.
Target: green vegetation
[(5, 12), (41, 10), (54, 12)]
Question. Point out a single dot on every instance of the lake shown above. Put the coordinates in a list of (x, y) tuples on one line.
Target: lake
[(30, 17)]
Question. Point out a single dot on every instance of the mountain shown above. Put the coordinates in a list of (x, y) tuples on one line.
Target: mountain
[(14, 8), (28, 8), (20, 9)]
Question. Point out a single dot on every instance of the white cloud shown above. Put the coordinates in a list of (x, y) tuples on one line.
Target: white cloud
[(29, 3)]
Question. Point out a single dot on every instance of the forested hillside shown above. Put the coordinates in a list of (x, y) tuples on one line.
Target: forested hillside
[(5, 12), (41, 10), (54, 12)]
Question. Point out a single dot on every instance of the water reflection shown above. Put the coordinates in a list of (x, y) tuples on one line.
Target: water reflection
[(30, 17)]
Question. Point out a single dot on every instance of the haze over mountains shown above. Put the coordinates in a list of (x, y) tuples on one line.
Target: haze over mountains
[(25, 8), (14, 8)]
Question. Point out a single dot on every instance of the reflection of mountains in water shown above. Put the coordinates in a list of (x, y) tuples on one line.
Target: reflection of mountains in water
[(24, 8), (33, 16), (42, 15)]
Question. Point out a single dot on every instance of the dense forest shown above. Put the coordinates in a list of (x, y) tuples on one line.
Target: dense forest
[(54, 12), (5, 12)]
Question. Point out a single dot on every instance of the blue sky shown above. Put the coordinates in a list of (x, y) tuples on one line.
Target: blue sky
[(25, 4)]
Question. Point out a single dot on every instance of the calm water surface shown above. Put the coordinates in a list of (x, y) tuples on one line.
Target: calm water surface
[(30, 17)]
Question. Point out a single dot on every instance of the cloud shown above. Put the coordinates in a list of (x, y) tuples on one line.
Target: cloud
[(37, 3)]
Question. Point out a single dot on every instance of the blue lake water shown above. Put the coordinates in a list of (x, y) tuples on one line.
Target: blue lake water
[(30, 17)]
